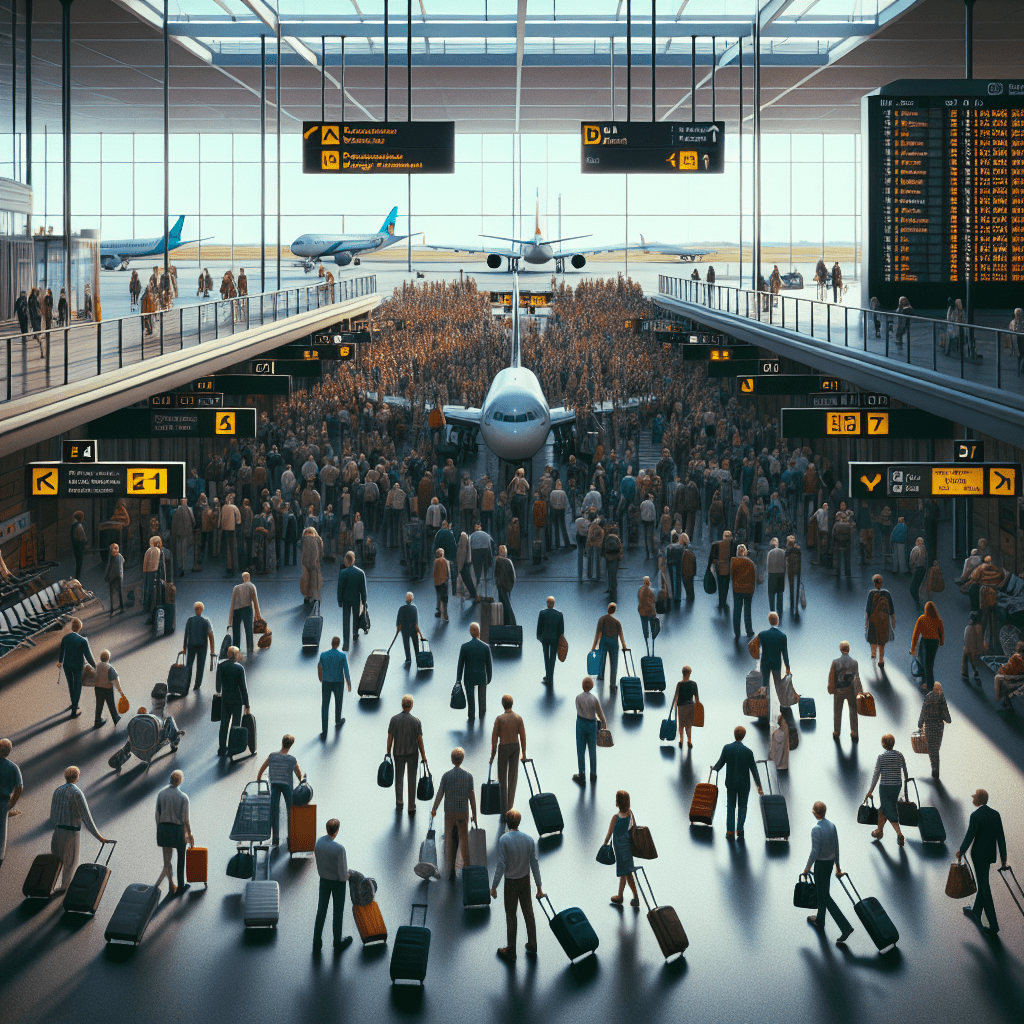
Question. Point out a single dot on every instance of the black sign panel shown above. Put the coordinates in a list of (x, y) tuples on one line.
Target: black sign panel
[(378, 147), (786, 384), (244, 384), (78, 451), (850, 400), (903, 424), (289, 367), (934, 480), (734, 368), (969, 451), (652, 147), (186, 400), (106, 479), (146, 423)]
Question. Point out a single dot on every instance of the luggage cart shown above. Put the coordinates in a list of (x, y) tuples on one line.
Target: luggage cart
[(252, 825)]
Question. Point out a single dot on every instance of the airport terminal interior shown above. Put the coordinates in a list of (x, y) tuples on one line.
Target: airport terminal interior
[(461, 360)]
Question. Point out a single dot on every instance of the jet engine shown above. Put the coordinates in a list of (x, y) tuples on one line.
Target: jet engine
[(343, 259), (578, 261), (109, 262), (494, 261)]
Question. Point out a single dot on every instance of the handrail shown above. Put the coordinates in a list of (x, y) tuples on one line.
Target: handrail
[(85, 349), (992, 356)]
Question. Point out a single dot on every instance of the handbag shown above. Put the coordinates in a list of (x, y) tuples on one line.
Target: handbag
[(606, 855), (960, 882), (906, 810), (216, 708), (241, 865), (425, 784), (604, 738), (916, 668), (641, 842), (805, 893), (88, 676), (265, 641), (458, 701), (123, 707), (756, 707), (361, 889), (754, 647), (259, 625), (867, 813), (302, 794), (936, 582), (563, 648), (426, 866), (490, 794), (866, 705), (668, 728), (803, 597), (595, 659), (386, 773), (661, 603), (698, 715), (655, 628), (919, 742), (710, 585)]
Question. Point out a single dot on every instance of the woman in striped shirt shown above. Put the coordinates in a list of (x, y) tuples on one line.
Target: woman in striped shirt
[(891, 769)]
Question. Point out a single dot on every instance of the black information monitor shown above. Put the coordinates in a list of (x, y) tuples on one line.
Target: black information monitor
[(242, 384), (945, 192), (786, 384), (378, 147), (176, 422), (652, 147), (903, 424)]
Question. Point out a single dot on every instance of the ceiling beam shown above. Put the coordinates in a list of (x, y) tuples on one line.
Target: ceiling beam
[(520, 45)]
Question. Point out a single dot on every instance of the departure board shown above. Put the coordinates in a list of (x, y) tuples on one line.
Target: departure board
[(945, 192)]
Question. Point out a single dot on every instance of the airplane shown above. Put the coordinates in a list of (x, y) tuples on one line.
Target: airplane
[(537, 251), (116, 255), (514, 420), (345, 249)]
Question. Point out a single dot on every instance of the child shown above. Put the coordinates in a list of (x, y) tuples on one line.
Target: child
[(974, 644), (158, 702)]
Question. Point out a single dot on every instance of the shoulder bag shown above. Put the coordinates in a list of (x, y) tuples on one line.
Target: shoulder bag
[(458, 699), (606, 855), (641, 843)]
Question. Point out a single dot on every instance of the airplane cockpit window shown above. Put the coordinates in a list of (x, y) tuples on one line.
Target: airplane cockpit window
[(498, 417), (531, 416)]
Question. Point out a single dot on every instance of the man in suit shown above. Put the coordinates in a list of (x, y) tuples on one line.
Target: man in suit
[(550, 629), (475, 661), (234, 696), (351, 596), (74, 653), (332, 867), (774, 649), (197, 635), (739, 766), (823, 857), (408, 624), (844, 683), (985, 832), (721, 556)]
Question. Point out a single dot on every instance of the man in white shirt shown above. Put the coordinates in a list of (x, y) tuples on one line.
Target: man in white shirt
[(823, 857), (230, 520), (244, 603), (517, 858), (332, 867), (173, 830)]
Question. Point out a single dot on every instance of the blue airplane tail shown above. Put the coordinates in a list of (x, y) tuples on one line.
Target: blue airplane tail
[(174, 237), (388, 227)]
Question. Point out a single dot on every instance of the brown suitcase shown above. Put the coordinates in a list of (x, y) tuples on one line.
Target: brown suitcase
[(197, 864), (664, 921), (302, 829), (370, 923), (705, 800), (866, 705)]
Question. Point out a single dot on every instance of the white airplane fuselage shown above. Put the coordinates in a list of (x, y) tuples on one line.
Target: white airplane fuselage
[(515, 419)]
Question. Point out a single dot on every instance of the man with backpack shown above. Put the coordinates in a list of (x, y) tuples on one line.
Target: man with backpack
[(844, 685)]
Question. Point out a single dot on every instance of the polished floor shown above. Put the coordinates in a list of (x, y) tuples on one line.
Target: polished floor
[(752, 956)]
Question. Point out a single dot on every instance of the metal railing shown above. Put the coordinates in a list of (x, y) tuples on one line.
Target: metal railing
[(86, 349), (986, 355)]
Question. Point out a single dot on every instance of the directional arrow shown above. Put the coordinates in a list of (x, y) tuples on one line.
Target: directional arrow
[(713, 132)]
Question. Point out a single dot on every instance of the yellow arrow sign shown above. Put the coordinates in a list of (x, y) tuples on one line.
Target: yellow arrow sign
[(142, 481), (873, 482), (747, 385), (225, 423), (44, 481), (1002, 481)]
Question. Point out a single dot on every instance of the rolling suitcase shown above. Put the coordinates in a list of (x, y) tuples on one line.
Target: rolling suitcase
[(876, 921), (547, 816), (1013, 895), (197, 865), (371, 682), (807, 708), (794, 732), (249, 725), (492, 613), (773, 811), (664, 921), (224, 645), (476, 886), (133, 913), (302, 829), (261, 901), (595, 663), (424, 657), (477, 852), (704, 802), (574, 932), (537, 552), (653, 672), (631, 686), (370, 923), (177, 678), (89, 883), (930, 825), (506, 636), (490, 795), (411, 950), (426, 866), (238, 740), (313, 627), (42, 876)]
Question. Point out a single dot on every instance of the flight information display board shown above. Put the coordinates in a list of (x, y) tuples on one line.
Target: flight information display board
[(177, 422), (786, 384), (106, 479), (903, 424), (652, 147), (934, 480), (945, 192), (378, 147)]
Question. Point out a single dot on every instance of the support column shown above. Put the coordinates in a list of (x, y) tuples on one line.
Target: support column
[(28, 100), (65, 111), (263, 163), (167, 142), (408, 117), (739, 46), (757, 149), (385, 60), (654, 59), (277, 101), (323, 78), (629, 59), (14, 89)]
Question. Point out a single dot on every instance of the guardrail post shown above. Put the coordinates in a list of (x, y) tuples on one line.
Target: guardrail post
[(10, 370), (161, 334), (216, 321), (181, 328), (99, 348), (999, 361), (828, 322), (67, 331), (120, 343)]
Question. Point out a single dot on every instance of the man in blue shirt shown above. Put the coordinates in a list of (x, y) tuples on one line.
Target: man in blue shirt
[(517, 858), (739, 767), (898, 540), (333, 672), (351, 596), (823, 857), (74, 653)]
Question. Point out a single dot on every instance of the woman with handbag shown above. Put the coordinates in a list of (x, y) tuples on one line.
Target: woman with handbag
[(618, 836), (103, 680), (891, 770), (685, 704), (928, 629), (933, 719), (879, 619)]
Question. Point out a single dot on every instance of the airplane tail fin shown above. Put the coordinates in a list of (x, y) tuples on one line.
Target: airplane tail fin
[(388, 227), (642, 242), (174, 237)]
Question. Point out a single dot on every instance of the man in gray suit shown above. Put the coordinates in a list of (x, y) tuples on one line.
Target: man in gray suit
[(739, 766), (332, 867), (74, 653), (475, 661), (844, 685)]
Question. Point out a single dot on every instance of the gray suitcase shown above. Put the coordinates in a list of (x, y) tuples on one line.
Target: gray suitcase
[(261, 902), (133, 913)]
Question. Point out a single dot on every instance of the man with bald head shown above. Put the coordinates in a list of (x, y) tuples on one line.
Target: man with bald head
[(823, 857), (475, 662), (550, 629)]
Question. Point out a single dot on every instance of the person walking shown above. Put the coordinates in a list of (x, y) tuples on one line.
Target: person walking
[(408, 624), (517, 858), (405, 736), (879, 619), (508, 744), (685, 704), (794, 559), (198, 635), (230, 521), (918, 568), (456, 789), (281, 765), (442, 574), (974, 646), (739, 767), (744, 581), (11, 787), (824, 856), (72, 657), (778, 743), (475, 662), (647, 610), (244, 603), (933, 719), (332, 867), (114, 577), (898, 544), (504, 581), (311, 583), (351, 596), (618, 836), (550, 630), (609, 636), (588, 713), (928, 630), (720, 556), (774, 647), (183, 526), (844, 685), (613, 554), (775, 567), (687, 567), (234, 697), (891, 771), (69, 811), (79, 539), (152, 566), (332, 670), (103, 679), (984, 836), (173, 831)]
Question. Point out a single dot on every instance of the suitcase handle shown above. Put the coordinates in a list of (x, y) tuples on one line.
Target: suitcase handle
[(106, 842), (541, 900), (180, 658), (653, 902), (1013, 895), (528, 761), (714, 771), (262, 788), (767, 773), (906, 792), (847, 891), (412, 914), (627, 654)]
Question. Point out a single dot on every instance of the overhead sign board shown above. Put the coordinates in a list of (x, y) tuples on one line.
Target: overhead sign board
[(902, 424), (786, 384), (288, 367), (106, 479), (835, 399), (652, 147), (934, 480), (378, 147), (78, 451), (243, 384), (147, 423), (969, 451), (186, 400)]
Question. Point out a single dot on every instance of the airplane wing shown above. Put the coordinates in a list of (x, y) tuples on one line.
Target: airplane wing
[(459, 416), (561, 415), (652, 248), (473, 249)]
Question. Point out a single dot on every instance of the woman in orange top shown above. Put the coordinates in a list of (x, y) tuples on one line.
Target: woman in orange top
[(928, 629)]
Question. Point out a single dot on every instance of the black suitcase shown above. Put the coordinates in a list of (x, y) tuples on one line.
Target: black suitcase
[(313, 627), (506, 636), (177, 678), (249, 725), (238, 740), (794, 732), (909, 813), (872, 915), (631, 687), (807, 708), (87, 887), (216, 707), (537, 552), (930, 825), (664, 921), (424, 657), (224, 645), (133, 913), (42, 876), (574, 932), (490, 795), (476, 886), (411, 950), (653, 672), (774, 814), (371, 682), (547, 816)]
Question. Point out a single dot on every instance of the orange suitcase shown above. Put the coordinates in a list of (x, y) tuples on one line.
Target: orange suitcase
[(705, 800), (370, 923), (302, 829), (197, 862)]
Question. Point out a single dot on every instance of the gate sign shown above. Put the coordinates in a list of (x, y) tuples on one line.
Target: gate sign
[(934, 480), (106, 479)]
